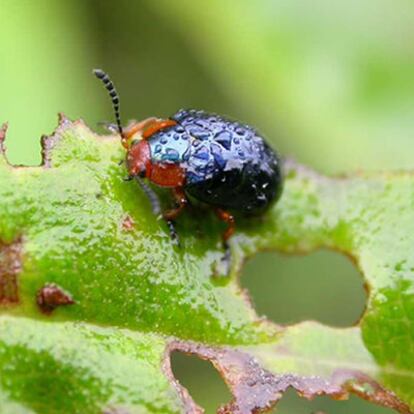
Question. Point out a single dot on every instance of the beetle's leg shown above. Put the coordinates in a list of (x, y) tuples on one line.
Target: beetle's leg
[(181, 201), (171, 215), (156, 126), (231, 225), (147, 127), (135, 128)]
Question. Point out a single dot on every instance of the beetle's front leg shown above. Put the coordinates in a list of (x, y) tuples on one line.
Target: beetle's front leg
[(171, 215), (135, 128), (181, 200), (145, 128)]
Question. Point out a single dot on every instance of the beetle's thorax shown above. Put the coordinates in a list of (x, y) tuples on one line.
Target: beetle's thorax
[(167, 175), (140, 163)]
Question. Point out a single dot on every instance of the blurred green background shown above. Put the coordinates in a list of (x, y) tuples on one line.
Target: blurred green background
[(329, 82)]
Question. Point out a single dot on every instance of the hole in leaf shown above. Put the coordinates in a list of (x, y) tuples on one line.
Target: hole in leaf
[(201, 379), (323, 286), (291, 403)]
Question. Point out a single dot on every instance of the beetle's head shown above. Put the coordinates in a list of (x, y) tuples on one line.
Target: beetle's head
[(138, 159)]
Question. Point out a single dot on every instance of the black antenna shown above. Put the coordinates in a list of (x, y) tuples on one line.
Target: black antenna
[(100, 74), (152, 196)]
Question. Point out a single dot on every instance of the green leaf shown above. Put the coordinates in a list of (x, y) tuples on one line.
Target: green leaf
[(94, 296), (70, 368)]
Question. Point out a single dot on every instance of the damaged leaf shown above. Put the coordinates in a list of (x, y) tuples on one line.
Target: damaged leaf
[(11, 264), (101, 296)]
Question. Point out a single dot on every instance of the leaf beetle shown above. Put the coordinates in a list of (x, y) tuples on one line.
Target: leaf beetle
[(220, 162)]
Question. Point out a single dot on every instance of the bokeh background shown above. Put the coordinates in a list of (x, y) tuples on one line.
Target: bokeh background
[(329, 82)]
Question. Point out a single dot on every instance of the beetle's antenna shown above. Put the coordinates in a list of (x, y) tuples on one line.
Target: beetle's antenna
[(152, 197), (156, 208), (100, 74)]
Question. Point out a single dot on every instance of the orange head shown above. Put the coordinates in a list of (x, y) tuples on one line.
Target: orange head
[(138, 159)]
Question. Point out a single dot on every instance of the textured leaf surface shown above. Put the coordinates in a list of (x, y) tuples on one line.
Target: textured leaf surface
[(73, 226)]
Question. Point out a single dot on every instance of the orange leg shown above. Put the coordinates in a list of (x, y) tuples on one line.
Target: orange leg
[(171, 215), (181, 200), (156, 126), (231, 225), (147, 127), (136, 127)]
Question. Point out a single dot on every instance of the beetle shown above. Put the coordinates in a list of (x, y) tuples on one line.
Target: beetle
[(222, 163)]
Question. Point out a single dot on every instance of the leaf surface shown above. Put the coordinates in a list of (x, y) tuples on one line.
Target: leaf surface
[(121, 297)]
